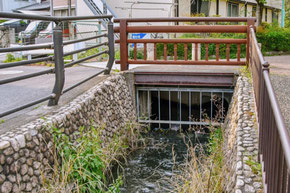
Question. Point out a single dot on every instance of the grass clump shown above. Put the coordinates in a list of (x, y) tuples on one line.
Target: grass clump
[(84, 165), (203, 172), (11, 58)]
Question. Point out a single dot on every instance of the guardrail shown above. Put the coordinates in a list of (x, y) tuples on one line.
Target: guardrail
[(274, 139), (57, 45), (124, 28)]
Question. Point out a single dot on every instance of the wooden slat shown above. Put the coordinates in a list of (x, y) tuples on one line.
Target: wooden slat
[(175, 52), (185, 52), (135, 51), (239, 52), (155, 51), (165, 51), (195, 51), (228, 52), (217, 52), (206, 52), (145, 51)]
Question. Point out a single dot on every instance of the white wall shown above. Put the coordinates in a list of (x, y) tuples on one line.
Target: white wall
[(9, 5)]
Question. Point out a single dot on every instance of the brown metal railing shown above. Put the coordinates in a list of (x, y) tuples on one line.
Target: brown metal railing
[(124, 29), (274, 140)]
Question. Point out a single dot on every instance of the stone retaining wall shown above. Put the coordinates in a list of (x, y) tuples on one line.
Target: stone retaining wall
[(26, 152), (241, 142)]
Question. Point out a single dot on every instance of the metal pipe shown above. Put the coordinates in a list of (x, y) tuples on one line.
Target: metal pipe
[(32, 47), (50, 18), (14, 79), (83, 81), (13, 64), (25, 106), (111, 45), (59, 65), (84, 59)]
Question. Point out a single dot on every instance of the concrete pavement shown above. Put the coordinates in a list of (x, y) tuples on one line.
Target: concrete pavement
[(21, 92)]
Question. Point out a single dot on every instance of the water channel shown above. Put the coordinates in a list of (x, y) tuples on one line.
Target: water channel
[(149, 169)]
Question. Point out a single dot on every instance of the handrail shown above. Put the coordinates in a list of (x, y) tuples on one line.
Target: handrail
[(50, 18), (274, 138), (124, 29), (187, 19), (58, 56)]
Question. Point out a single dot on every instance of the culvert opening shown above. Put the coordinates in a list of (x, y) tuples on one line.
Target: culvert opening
[(182, 107)]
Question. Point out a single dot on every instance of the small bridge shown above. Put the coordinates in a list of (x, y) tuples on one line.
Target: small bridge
[(274, 140)]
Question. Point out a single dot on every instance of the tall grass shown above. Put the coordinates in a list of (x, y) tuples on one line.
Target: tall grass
[(203, 167), (85, 164)]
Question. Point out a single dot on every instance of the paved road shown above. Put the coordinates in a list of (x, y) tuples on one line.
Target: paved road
[(280, 77), (17, 93)]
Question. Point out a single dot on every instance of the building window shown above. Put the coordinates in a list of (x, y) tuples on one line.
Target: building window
[(266, 14), (246, 10), (233, 9), (254, 11), (274, 16), (200, 6)]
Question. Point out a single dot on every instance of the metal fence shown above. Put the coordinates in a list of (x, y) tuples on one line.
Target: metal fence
[(274, 140), (58, 57)]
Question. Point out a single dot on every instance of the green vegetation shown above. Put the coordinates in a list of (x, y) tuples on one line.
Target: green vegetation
[(85, 164), (2, 121), (273, 38), (11, 58), (203, 172), (254, 165)]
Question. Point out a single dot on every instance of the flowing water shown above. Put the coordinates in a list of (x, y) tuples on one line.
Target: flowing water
[(148, 168)]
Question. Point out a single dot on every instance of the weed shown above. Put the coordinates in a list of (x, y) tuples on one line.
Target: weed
[(255, 166), (85, 164), (2, 121)]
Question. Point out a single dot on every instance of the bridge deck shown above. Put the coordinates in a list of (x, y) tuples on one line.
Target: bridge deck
[(197, 75)]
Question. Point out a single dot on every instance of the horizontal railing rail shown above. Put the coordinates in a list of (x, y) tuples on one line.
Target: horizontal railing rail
[(124, 29), (58, 56), (274, 138)]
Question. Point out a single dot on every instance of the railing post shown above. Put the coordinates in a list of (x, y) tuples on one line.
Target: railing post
[(59, 66), (111, 43), (250, 23), (123, 45)]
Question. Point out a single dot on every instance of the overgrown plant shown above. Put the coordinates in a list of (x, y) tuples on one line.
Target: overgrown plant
[(84, 165)]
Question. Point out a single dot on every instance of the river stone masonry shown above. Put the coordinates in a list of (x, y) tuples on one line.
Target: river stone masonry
[(241, 142), (26, 152)]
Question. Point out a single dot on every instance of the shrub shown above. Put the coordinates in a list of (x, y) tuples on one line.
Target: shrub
[(274, 38), (11, 58)]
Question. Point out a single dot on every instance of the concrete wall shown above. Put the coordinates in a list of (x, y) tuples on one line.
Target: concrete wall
[(26, 152)]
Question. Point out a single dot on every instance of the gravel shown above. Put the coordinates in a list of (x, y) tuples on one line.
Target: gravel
[(281, 85)]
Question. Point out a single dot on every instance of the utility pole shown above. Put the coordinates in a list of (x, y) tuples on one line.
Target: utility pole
[(283, 14)]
